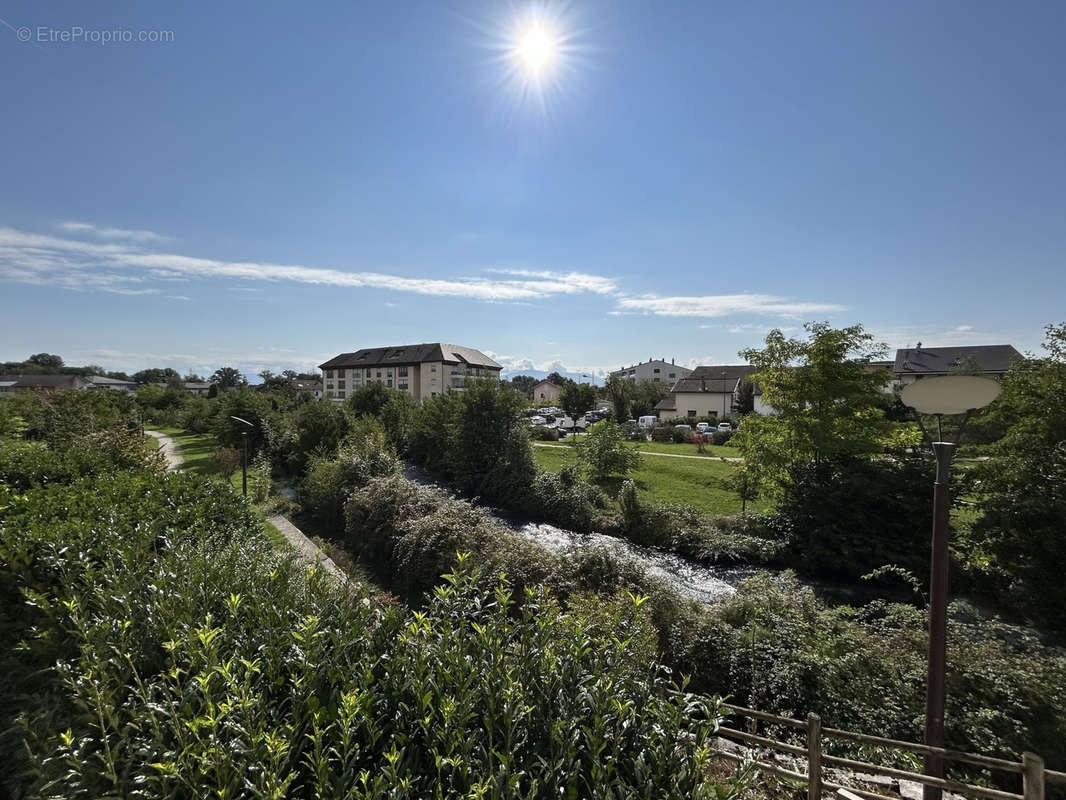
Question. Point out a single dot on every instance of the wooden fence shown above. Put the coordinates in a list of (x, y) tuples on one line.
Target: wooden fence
[(1031, 766)]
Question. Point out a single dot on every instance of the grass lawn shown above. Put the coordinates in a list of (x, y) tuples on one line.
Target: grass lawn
[(696, 483), (710, 451), (196, 450)]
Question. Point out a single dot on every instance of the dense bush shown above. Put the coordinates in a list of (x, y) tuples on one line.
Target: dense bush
[(847, 517), (26, 464), (564, 498), (602, 452), (662, 433), (168, 652), (720, 438), (542, 433)]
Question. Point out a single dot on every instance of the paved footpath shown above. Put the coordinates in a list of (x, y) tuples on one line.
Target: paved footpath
[(306, 550), (650, 453)]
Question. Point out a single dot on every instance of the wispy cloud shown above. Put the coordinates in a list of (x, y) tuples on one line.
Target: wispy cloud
[(112, 233), (723, 305), (937, 337), (71, 263)]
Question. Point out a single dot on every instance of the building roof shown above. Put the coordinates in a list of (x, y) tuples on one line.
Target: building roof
[(100, 380), (650, 361), (44, 381), (409, 354), (197, 385), (546, 381), (722, 378), (995, 358)]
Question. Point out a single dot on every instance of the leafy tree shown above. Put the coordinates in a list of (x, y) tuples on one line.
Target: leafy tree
[(398, 416), (829, 405), (577, 398), (246, 404), (524, 384), (557, 379), (369, 400), (745, 483), (619, 393), (320, 428), (646, 395), (745, 402), (1023, 486), (227, 459), (228, 378), (155, 375), (603, 452), (192, 377), (46, 360)]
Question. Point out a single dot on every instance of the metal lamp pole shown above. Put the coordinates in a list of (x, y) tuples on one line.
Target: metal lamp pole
[(938, 615), (949, 394), (244, 461)]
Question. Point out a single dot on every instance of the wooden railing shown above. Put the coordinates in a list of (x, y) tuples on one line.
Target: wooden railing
[(1031, 766)]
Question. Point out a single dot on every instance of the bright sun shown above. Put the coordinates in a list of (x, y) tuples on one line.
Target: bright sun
[(535, 48)]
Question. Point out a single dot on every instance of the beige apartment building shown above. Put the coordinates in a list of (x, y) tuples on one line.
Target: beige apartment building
[(422, 370), (658, 370)]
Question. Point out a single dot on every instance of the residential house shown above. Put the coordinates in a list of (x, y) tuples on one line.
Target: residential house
[(422, 370), (915, 363), (112, 384), (707, 391), (9, 384), (197, 387), (654, 370), (545, 393)]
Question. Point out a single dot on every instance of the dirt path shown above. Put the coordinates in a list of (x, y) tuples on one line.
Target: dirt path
[(170, 450), (650, 453), (306, 550)]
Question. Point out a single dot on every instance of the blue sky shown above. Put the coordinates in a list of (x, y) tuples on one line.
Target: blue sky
[(278, 183)]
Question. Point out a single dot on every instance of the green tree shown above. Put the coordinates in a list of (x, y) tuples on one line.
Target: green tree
[(192, 377), (320, 428), (557, 379), (603, 452), (619, 393), (745, 402), (155, 375), (577, 398), (46, 360), (1023, 486), (246, 404), (398, 416), (646, 395), (828, 404), (524, 384), (369, 400), (228, 378)]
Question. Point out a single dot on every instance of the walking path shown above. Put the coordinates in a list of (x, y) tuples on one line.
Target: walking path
[(306, 550), (650, 453)]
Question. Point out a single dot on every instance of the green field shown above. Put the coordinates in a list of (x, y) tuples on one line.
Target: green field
[(688, 481)]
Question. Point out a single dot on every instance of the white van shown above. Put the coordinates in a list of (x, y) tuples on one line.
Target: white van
[(648, 422)]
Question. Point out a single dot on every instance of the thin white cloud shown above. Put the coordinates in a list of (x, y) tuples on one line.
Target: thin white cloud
[(178, 297), (36, 258), (112, 233), (958, 336), (723, 305)]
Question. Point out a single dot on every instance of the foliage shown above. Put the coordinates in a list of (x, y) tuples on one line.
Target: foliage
[(1022, 489), (745, 402), (848, 516), (619, 392), (646, 395), (398, 416), (158, 672), (603, 451), (828, 403), (577, 398), (722, 438), (543, 433), (248, 405), (319, 426), (565, 499), (524, 384), (228, 378), (745, 482), (198, 414), (46, 360), (369, 399), (227, 459), (366, 454)]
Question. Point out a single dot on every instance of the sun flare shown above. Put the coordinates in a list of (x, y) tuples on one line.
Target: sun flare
[(535, 49)]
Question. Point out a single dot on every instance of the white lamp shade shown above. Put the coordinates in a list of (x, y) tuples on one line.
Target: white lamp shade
[(950, 394)]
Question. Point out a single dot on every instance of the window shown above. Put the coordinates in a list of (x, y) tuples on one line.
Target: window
[(401, 372), (673, 374), (691, 413), (433, 368), (329, 385), (340, 383), (656, 370), (403, 385), (389, 383), (379, 373), (368, 373), (434, 382), (340, 395), (656, 380), (329, 373)]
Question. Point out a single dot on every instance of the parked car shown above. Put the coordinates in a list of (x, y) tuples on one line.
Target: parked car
[(702, 426), (724, 426), (648, 421), (562, 431), (683, 428), (537, 421)]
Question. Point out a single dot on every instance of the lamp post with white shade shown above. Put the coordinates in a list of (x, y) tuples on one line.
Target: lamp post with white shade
[(951, 394), (244, 461)]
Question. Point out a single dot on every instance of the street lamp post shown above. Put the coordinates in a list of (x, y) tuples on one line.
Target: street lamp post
[(244, 460), (951, 394)]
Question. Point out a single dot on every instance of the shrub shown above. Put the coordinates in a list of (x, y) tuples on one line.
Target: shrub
[(563, 498), (662, 433), (720, 438), (227, 459), (603, 452), (543, 433), (198, 415)]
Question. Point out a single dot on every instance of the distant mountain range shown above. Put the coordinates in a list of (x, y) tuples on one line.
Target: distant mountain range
[(596, 378)]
